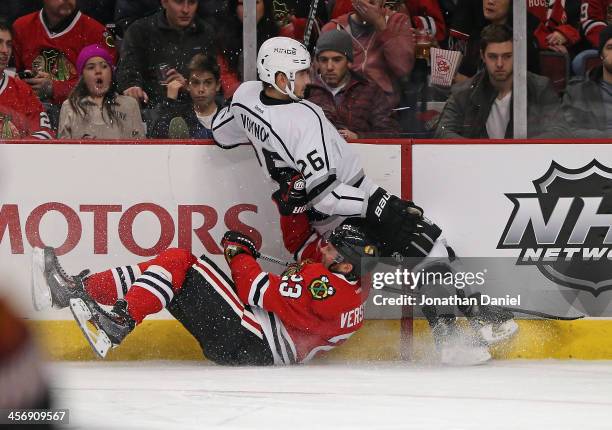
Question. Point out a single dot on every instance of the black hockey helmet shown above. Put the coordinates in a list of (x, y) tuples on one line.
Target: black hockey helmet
[(353, 244)]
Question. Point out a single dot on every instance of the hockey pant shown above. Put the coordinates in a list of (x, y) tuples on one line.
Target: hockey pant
[(211, 311)]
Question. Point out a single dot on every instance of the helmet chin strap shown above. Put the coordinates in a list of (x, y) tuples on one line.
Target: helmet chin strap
[(288, 91)]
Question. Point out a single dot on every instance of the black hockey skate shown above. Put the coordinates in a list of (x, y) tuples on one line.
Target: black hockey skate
[(106, 329), (493, 324), (51, 286), (455, 346)]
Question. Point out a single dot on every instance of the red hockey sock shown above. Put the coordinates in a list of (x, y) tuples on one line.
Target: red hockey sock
[(113, 284), (141, 303), (101, 287)]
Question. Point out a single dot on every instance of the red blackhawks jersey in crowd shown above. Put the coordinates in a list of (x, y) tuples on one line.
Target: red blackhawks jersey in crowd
[(21, 113), (553, 17), (307, 309), (595, 15), (36, 48)]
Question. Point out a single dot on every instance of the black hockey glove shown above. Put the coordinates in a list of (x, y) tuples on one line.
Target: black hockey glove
[(290, 198), (394, 219), (235, 243)]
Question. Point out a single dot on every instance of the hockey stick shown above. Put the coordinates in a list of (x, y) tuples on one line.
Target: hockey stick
[(310, 22), (273, 259), (541, 314)]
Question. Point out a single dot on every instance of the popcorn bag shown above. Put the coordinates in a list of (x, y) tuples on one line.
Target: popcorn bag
[(444, 64)]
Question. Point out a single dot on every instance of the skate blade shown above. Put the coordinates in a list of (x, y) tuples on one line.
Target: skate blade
[(41, 293), (495, 334), (98, 340)]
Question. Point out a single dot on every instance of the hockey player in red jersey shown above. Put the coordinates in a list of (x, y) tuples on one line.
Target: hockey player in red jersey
[(259, 318), (48, 42), (21, 113), (595, 15)]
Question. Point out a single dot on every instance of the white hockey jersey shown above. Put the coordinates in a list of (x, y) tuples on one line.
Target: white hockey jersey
[(298, 135)]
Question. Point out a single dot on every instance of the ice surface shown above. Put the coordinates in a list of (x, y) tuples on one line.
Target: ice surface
[(198, 395)]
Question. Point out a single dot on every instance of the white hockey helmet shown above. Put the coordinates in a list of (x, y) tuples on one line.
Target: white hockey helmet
[(282, 54)]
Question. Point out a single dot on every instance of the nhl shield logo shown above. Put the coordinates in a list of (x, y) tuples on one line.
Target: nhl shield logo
[(565, 227)]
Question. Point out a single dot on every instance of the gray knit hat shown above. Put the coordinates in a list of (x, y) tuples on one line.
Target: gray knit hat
[(604, 36), (336, 40)]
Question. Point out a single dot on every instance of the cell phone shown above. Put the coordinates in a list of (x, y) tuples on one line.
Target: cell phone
[(25, 74)]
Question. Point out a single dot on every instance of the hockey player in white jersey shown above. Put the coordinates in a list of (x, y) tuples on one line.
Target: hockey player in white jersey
[(288, 132), (291, 134)]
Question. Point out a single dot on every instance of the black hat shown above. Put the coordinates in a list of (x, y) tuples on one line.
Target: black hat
[(336, 40), (604, 36)]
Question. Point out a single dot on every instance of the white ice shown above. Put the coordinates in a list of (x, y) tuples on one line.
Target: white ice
[(192, 395)]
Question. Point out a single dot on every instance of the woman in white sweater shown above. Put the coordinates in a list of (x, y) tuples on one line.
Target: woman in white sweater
[(94, 109)]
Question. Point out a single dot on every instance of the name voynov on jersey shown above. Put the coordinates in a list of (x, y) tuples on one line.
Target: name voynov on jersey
[(297, 135)]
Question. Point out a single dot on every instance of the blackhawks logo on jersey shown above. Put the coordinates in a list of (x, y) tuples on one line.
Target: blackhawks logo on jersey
[(321, 289), (54, 63), (8, 130)]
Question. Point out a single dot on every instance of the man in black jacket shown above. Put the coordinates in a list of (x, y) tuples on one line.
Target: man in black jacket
[(481, 107), (587, 106), (157, 49)]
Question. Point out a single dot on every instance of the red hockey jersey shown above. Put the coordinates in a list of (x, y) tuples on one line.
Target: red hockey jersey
[(21, 113), (553, 17), (595, 15), (307, 309), (36, 48)]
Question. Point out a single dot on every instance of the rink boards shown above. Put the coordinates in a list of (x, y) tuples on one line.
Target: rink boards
[(107, 204)]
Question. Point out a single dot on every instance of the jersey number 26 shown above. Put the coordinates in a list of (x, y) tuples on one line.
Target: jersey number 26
[(315, 162)]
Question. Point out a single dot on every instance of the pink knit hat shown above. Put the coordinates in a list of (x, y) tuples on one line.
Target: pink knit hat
[(90, 52)]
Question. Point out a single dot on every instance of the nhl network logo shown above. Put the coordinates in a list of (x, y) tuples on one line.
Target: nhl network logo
[(565, 227)]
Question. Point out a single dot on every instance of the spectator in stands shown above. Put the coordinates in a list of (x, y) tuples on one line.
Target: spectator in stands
[(156, 51), (94, 109), (425, 14), (587, 106), (482, 106), (595, 15), (383, 44), (21, 113), (553, 32), (128, 11), (229, 39), (48, 43), (356, 107), (470, 17), (194, 120)]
